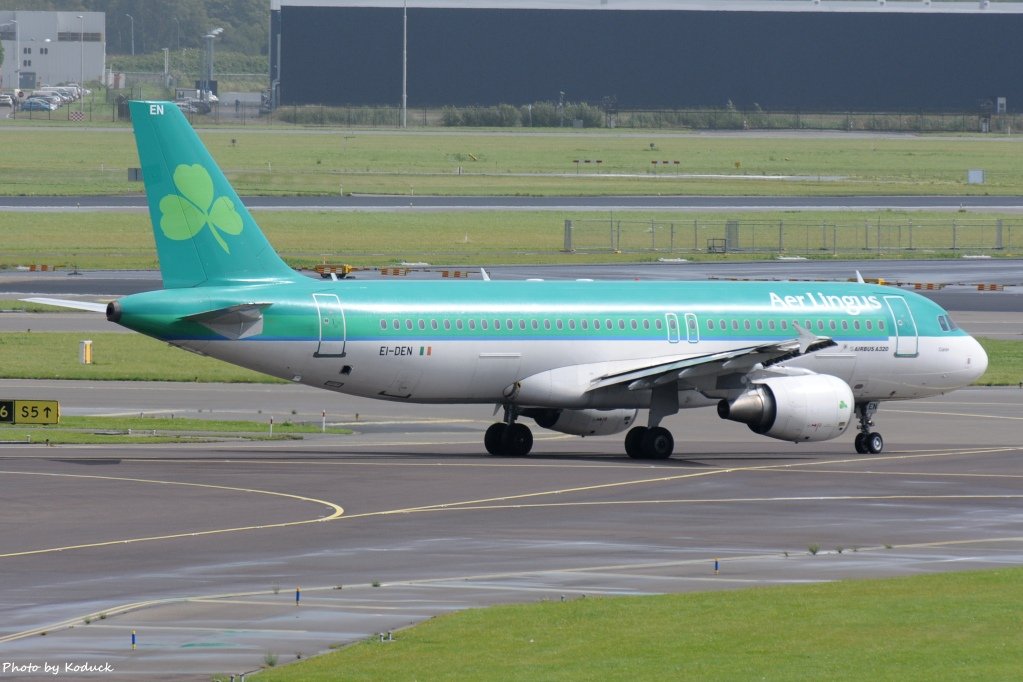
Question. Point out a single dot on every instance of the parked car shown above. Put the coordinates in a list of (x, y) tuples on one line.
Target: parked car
[(69, 94), (52, 98), (194, 106), (52, 93), (6, 100), (36, 104)]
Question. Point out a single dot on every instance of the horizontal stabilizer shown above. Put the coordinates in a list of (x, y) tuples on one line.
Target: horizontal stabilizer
[(65, 303)]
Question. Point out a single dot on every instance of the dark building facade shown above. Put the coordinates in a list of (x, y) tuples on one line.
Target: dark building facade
[(841, 56)]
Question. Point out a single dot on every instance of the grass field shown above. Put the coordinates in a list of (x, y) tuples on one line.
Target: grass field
[(292, 160), (1005, 362), (953, 626), (122, 430), (117, 356), (94, 240)]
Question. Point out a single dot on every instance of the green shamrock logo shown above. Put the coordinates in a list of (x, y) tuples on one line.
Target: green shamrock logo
[(184, 215)]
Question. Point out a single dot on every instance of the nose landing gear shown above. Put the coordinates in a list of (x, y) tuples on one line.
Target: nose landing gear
[(867, 441)]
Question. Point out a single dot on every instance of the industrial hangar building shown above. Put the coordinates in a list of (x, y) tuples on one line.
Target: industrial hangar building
[(787, 55)]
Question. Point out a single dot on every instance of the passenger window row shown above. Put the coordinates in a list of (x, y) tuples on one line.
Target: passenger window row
[(783, 325), (523, 325), (585, 324)]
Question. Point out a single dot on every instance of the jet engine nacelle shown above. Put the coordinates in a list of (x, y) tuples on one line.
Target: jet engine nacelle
[(584, 422), (805, 408)]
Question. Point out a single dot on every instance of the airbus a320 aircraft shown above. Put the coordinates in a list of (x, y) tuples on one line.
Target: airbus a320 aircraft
[(794, 361)]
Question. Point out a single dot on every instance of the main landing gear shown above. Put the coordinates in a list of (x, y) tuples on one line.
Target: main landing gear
[(867, 441), (653, 441), (649, 442), (508, 438)]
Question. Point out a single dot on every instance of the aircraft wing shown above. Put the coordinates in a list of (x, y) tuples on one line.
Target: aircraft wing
[(66, 303), (734, 361)]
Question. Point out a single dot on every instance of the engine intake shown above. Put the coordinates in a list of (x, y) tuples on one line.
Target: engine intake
[(806, 408)]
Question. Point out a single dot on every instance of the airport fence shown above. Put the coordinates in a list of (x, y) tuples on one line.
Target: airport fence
[(871, 236), (252, 112), (671, 119)]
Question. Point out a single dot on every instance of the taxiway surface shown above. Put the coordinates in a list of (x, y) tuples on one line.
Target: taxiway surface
[(200, 548)]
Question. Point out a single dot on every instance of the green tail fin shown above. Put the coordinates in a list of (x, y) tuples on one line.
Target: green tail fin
[(204, 234)]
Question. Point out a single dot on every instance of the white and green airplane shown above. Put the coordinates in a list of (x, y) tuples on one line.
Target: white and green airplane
[(794, 361)]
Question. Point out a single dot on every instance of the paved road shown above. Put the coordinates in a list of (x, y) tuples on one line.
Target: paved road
[(199, 548)]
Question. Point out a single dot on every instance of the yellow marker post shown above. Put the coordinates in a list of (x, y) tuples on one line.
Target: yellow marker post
[(133, 640), (85, 352)]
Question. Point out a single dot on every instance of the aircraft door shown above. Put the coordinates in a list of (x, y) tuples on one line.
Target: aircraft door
[(692, 328), (907, 342), (672, 321), (332, 326)]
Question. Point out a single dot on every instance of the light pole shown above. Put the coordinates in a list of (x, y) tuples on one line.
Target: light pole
[(404, 65), (17, 49), (132, 33), (177, 23), (208, 74), (81, 73)]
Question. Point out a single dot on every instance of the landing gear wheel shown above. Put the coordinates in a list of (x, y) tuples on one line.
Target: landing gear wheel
[(658, 443), (634, 442), (867, 441), (494, 437), (518, 440)]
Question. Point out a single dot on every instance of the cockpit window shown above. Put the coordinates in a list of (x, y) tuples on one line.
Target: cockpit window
[(947, 324)]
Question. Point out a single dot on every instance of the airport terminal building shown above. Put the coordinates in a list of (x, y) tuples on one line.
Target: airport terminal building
[(780, 55)]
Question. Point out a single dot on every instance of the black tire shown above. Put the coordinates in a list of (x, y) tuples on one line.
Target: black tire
[(494, 438), (518, 440), (875, 443), (861, 443), (634, 442), (658, 443)]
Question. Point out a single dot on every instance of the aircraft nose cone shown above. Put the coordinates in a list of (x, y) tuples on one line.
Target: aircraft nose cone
[(976, 358)]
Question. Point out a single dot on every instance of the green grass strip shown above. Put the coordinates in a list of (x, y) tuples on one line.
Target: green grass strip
[(190, 424), (113, 430), (291, 160), (1005, 362), (117, 356), (124, 241), (953, 626)]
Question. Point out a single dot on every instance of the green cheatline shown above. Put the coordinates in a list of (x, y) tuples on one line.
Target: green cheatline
[(947, 626)]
